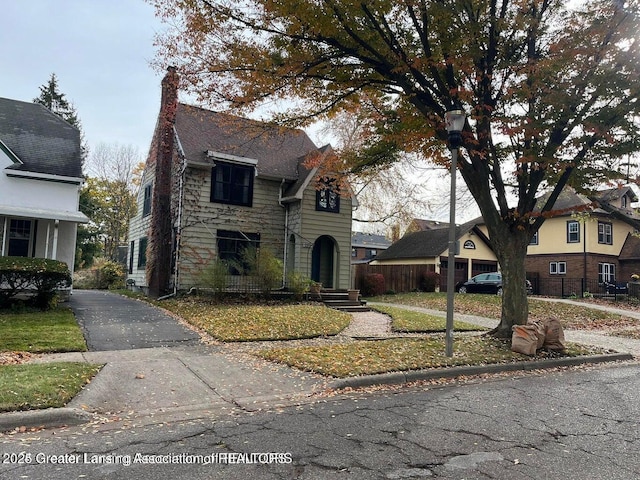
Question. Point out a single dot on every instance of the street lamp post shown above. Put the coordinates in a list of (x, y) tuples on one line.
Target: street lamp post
[(454, 121)]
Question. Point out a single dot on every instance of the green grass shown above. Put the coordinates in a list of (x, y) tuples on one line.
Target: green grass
[(243, 323), (400, 354), (416, 322), (36, 386), (489, 306), (41, 332)]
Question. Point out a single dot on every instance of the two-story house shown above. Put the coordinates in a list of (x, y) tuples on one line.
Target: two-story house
[(236, 183), (583, 245), (40, 182)]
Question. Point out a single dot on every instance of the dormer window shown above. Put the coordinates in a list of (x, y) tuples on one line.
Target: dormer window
[(232, 183), (623, 201)]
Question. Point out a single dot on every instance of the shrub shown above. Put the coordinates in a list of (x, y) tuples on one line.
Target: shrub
[(103, 274), (373, 285), (40, 278), (428, 281), (261, 264), (214, 276), (110, 274), (298, 283)]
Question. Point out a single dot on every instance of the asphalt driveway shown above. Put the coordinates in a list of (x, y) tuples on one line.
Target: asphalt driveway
[(113, 322)]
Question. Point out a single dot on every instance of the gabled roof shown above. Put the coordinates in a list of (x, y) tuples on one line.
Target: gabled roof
[(279, 151), (40, 140), (427, 243), (569, 201), (423, 224), (613, 194), (630, 249)]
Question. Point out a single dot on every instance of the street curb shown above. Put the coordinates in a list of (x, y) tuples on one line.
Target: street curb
[(400, 378), (49, 418)]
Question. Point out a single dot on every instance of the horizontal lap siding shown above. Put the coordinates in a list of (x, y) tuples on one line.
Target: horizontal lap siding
[(139, 228), (202, 218), (337, 225)]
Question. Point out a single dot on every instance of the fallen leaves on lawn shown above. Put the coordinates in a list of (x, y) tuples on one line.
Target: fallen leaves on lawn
[(380, 356), (241, 323), (15, 358)]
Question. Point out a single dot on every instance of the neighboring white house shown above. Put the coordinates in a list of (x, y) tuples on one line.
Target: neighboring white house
[(40, 181)]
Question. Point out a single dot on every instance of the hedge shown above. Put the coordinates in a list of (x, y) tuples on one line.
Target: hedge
[(39, 277)]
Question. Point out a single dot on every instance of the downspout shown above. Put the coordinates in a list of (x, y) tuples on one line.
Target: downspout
[(584, 255), (286, 230)]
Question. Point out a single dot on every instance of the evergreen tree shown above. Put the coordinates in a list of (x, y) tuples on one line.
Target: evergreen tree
[(54, 100)]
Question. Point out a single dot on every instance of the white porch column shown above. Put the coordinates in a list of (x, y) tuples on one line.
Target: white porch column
[(5, 228), (54, 252), (46, 241)]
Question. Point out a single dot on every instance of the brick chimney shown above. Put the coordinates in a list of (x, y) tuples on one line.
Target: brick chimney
[(160, 235)]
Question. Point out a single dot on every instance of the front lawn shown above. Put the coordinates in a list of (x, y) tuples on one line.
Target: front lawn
[(570, 315), (44, 385), (243, 323), (400, 354), (416, 322), (34, 386), (41, 332)]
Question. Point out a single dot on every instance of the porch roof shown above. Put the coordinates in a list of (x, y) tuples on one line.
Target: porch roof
[(66, 216)]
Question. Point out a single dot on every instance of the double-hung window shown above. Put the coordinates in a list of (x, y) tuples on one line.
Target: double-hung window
[(232, 183), (20, 238), (605, 233), (573, 231)]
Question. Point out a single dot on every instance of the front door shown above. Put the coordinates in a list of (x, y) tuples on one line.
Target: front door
[(322, 261)]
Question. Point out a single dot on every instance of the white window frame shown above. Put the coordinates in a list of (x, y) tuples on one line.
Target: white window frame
[(557, 268), (606, 273), (573, 229), (605, 233)]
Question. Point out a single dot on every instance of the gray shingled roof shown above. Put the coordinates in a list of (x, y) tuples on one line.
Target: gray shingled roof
[(43, 141), (279, 150), (427, 243), (569, 201)]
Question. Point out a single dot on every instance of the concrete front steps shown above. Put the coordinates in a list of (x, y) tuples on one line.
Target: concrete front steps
[(339, 300)]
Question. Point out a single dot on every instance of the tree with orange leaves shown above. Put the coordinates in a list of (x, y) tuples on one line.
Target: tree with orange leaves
[(550, 89)]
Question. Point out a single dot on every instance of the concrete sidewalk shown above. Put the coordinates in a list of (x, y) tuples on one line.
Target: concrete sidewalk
[(186, 379)]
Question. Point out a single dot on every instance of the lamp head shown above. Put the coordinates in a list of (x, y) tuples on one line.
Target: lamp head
[(454, 123)]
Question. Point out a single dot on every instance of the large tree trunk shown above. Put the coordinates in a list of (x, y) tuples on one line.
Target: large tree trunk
[(511, 251)]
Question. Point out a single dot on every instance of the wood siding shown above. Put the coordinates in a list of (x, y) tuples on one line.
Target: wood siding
[(315, 224), (202, 219)]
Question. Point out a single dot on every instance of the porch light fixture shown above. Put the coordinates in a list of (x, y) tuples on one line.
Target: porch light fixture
[(454, 123)]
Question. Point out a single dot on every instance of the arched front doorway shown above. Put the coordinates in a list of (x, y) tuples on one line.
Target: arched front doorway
[(323, 261)]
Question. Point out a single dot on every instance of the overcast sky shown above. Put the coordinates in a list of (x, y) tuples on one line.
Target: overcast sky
[(100, 51)]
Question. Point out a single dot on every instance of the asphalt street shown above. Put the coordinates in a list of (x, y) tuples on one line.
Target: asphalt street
[(581, 423)]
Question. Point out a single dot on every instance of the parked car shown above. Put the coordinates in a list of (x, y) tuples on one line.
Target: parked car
[(485, 283), (618, 288)]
